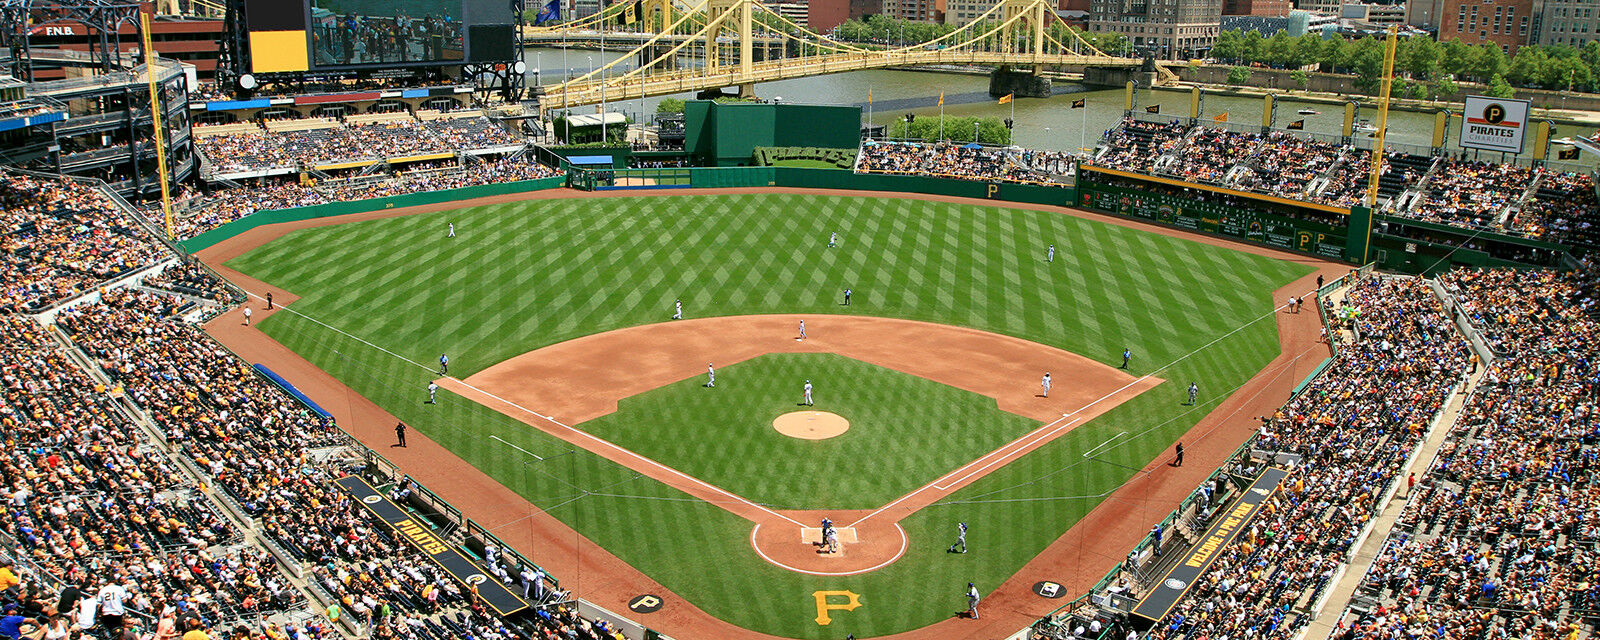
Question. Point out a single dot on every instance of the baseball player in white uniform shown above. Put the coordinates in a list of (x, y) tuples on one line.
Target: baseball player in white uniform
[(433, 389), (711, 375), (802, 329), (1046, 384), (452, 230), (833, 239), (807, 400), (677, 309), (1050, 256)]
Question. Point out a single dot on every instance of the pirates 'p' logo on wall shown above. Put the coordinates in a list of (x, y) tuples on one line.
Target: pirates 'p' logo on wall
[(1495, 113), (852, 601)]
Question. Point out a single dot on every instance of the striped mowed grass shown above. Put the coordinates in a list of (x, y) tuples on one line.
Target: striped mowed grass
[(395, 293)]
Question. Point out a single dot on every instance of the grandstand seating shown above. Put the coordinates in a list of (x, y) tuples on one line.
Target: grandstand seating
[(125, 415), (291, 143)]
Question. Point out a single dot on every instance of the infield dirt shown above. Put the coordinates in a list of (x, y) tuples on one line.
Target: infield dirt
[(1077, 559)]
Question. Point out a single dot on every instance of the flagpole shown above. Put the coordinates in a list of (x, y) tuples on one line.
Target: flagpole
[(941, 118), (1083, 133)]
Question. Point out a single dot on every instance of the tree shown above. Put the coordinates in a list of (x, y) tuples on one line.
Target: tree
[(1238, 76), (1527, 66), (1490, 62), (1458, 58), (1441, 85), (1253, 47), (1422, 57), (1308, 49), (1412, 90), (1279, 49), (670, 105), (1229, 46), (1499, 88), (1368, 65), (1301, 80)]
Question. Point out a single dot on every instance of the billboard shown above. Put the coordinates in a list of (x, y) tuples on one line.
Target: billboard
[(1494, 124), (334, 35)]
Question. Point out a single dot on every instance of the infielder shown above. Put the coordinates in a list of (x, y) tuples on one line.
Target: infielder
[(1046, 384), (961, 539), (1194, 390), (677, 309), (247, 316), (802, 329), (711, 375), (452, 230), (1050, 256), (972, 600), (807, 392), (433, 388)]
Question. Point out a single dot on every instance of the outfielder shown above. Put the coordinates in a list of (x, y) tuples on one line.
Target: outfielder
[(833, 239), (1050, 256), (972, 600), (1046, 384), (677, 309), (1194, 390), (452, 230), (961, 539), (433, 388), (711, 375), (807, 391)]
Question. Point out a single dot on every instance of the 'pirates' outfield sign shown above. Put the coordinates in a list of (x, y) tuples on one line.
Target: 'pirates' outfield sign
[(1494, 124), (1225, 527), (493, 593)]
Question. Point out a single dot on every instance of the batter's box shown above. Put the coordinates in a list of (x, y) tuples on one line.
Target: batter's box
[(813, 535)]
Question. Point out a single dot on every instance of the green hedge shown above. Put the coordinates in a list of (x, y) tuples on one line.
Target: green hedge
[(841, 158)]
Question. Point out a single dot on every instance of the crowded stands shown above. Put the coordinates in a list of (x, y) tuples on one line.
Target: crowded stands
[(99, 504), (232, 149), (199, 213), (1500, 538), (1352, 428), (969, 162)]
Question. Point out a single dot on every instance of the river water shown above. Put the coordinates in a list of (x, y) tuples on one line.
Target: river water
[(1040, 123)]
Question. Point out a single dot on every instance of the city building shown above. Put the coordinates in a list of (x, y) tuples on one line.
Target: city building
[(823, 15), (1321, 7), (1297, 23), (1269, 8), (1381, 15), (1163, 28), (194, 41), (795, 10), (959, 12), (919, 10), (1507, 23), (1569, 22)]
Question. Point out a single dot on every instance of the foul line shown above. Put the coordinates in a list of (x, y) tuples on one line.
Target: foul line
[(603, 441), (502, 441), (1108, 441)]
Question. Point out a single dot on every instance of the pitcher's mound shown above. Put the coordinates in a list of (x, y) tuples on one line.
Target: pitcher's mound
[(811, 425)]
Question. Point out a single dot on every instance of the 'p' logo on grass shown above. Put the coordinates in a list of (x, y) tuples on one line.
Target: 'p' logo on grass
[(852, 601)]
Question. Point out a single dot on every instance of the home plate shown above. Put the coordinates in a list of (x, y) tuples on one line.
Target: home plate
[(813, 535)]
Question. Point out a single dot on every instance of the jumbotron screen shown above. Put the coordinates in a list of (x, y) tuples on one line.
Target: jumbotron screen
[(325, 35)]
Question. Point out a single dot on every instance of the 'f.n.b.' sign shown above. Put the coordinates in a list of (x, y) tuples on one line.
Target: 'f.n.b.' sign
[(1494, 124)]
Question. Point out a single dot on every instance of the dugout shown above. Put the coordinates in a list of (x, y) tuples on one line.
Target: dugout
[(726, 134)]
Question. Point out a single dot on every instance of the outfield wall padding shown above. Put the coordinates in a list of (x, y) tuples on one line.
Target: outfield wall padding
[(331, 209), (799, 177)]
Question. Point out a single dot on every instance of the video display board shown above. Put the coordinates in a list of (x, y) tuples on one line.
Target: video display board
[(334, 35), (387, 32)]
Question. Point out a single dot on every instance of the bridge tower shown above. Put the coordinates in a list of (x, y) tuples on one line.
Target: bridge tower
[(736, 17)]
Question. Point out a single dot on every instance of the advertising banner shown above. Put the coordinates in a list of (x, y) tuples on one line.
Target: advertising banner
[(1494, 124)]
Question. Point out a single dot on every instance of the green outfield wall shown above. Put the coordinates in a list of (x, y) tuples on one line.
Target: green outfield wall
[(332, 209)]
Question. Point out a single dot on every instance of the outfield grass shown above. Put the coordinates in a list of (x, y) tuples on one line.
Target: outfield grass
[(906, 430), (529, 274)]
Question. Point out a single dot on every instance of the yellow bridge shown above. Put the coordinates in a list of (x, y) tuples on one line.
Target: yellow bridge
[(714, 44)]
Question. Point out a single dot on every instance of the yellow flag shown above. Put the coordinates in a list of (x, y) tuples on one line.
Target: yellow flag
[(941, 98), (869, 96), (1006, 98), (1221, 117)]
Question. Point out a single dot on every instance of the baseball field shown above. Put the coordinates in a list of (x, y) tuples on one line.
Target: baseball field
[(570, 384)]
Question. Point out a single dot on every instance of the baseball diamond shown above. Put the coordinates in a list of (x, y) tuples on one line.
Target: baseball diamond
[(575, 418)]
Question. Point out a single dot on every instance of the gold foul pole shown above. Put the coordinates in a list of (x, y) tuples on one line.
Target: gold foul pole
[(1383, 117), (155, 121)]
